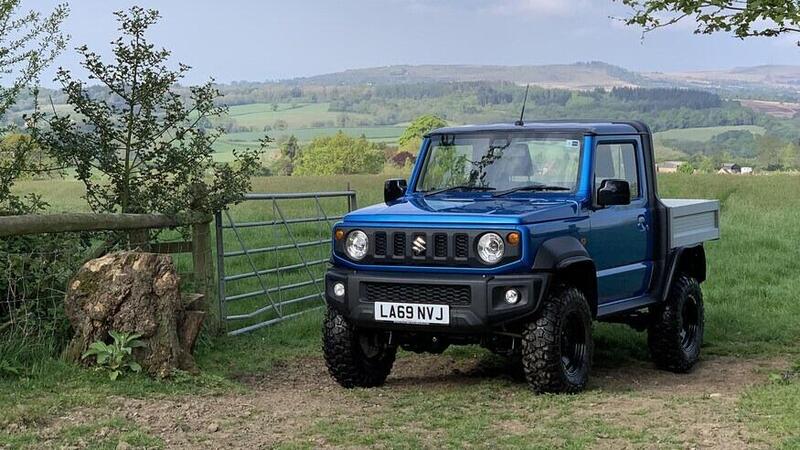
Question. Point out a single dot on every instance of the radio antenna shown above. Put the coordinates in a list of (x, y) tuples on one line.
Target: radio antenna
[(520, 122)]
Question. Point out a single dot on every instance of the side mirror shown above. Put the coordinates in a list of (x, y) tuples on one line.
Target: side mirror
[(394, 189), (614, 192)]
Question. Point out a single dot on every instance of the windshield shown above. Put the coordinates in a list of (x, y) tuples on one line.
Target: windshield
[(500, 162)]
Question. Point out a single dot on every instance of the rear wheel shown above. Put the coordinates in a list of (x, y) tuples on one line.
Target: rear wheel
[(355, 357), (557, 346), (675, 334)]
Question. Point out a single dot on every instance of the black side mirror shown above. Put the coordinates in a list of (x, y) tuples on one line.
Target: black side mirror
[(394, 189), (614, 192)]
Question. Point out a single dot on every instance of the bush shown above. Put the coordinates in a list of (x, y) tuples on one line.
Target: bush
[(400, 159), (35, 271), (339, 154)]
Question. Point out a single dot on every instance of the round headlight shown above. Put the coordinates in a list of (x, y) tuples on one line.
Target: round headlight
[(491, 248), (338, 290), (357, 245)]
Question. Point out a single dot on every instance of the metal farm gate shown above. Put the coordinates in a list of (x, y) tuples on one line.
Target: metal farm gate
[(271, 255)]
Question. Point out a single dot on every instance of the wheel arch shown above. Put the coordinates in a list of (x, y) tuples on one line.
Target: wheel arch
[(686, 260), (570, 263)]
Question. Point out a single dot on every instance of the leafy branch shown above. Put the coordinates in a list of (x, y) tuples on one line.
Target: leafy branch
[(742, 18)]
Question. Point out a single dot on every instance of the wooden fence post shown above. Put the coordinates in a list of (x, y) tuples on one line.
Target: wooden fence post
[(203, 268)]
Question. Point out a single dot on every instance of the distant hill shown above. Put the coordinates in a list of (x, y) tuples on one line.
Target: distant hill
[(773, 81), (739, 79), (567, 76)]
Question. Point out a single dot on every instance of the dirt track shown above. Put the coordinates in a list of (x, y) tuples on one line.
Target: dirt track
[(698, 408)]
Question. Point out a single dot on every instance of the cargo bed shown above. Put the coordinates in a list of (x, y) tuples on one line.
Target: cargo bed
[(691, 222)]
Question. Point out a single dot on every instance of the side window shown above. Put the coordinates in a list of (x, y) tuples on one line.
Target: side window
[(617, 161)]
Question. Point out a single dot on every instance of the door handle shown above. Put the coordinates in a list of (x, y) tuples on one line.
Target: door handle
[(642, 224)]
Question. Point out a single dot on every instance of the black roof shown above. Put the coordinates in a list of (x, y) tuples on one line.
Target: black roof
[(565, 126)]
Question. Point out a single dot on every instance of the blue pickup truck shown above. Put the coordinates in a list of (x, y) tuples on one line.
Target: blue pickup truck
[(517, 237)]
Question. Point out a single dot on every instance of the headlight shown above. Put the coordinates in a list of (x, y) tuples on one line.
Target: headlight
[(491, 248), (357, 245)]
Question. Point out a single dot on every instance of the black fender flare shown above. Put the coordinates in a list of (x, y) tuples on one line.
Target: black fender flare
[(688, 260), (567, 258)]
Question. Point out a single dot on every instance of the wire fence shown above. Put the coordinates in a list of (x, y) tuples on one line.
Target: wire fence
[(32, 287)]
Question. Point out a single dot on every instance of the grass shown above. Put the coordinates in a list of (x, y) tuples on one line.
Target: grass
[(775, 407), (704, 134), (752, 312)]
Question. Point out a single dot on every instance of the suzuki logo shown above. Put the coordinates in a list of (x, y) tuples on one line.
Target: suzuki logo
[(419, 246)]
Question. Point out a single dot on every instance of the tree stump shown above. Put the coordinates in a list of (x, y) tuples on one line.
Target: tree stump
[(134, 292)]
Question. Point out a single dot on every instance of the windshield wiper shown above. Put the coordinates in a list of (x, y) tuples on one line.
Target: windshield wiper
[(463, 187), (532, 187)]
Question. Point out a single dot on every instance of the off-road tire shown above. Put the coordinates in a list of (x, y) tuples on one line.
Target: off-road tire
[(675, 334), (348, 362), (550, 361)]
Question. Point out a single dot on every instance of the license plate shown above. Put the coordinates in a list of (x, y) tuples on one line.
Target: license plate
[(408, 313)]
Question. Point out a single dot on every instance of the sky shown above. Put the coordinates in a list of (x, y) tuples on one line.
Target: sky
[(235, 40)]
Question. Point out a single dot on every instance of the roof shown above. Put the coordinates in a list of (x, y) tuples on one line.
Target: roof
[(671, 164), (730, 165), (563, 126)]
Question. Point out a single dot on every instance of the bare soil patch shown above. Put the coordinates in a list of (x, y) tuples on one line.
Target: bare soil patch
[(696, 409)]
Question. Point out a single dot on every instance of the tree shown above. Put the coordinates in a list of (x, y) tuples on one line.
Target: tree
[(686, 168), (742, 18), (287, 153), (142, 136), (280, 125), (339, 154), (28, 43), (769, 152), (419, 127), (790, 156)]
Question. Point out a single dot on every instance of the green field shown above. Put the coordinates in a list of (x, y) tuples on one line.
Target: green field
[(302, 120), (228, 142), (704, 134), (269, 388), (296, 115)]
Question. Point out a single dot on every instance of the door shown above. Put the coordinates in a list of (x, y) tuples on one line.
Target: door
[(618, 237)]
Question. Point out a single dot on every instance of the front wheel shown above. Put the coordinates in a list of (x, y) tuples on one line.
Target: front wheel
[(557, 346), (355, 357), (676, 327)]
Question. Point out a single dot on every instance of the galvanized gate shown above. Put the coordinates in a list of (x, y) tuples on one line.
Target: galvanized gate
[(271, 256)]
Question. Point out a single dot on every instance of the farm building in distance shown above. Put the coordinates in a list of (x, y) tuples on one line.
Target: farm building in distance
[(669, 166), (732, 168)]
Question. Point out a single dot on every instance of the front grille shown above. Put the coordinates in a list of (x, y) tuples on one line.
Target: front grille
[(380, 243), (424, 247), (440, 245), (418, 293), (462, 246), (399, 244)]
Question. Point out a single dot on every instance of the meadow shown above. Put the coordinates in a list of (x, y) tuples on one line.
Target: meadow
[(305, 122), (270, 389)]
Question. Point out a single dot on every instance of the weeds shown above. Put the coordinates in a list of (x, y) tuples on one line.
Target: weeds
[(8, 370), (117, 357)]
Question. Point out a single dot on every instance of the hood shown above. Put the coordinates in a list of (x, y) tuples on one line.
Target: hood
[(478, 211)]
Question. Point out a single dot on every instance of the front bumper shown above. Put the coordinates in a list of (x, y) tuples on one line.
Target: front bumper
[(480, 305)]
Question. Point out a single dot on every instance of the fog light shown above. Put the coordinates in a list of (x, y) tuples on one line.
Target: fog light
[(512, 296), (338, 290)]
